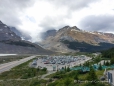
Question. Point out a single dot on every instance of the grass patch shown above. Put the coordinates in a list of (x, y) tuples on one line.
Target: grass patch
[(31, 82), (61, 77)]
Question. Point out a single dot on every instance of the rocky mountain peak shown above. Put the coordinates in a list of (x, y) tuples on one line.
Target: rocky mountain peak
[(69, 28), (48, 33), (6, 33), (74, 27), (51, 31), (64, 28)]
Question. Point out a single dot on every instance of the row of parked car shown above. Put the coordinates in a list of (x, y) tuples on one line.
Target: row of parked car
[(62, 59)]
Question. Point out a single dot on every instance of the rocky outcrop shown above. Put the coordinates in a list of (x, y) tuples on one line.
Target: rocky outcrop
[(48, 33)]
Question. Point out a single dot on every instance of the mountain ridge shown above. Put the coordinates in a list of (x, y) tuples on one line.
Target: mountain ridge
[(74, 34)]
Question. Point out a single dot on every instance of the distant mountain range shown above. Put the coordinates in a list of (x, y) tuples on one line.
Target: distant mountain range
[(72, 39), (48, 33), (11, 42), (66, 39)]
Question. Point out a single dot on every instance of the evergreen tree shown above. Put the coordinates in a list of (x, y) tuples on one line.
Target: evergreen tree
[(68, 69), (67, 81), (97, 59), (92, 75), (104, 63), (65, 68), (100, 67), (76, 76), (80, 65), (112, 60), (107, 63)]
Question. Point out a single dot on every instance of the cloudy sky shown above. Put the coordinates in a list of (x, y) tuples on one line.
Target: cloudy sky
[(36, 16)]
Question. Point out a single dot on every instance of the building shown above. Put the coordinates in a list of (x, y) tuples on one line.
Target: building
[(110, 77), (54, 67)]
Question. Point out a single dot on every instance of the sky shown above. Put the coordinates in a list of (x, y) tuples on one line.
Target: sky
[(36, 16)]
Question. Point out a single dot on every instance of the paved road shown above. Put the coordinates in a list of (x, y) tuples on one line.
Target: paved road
[(9, 65), (49, 73)]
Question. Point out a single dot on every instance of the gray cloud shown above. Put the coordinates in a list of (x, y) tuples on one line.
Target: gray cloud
[(10, 10), (53, 22), (72, 4), (103, 23), (50, 22)]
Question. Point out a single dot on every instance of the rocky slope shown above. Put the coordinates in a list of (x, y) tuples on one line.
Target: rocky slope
[(48, 33), (69, 39), (11, 43)]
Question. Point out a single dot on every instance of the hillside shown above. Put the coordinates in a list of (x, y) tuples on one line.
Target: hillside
[(108, 53)]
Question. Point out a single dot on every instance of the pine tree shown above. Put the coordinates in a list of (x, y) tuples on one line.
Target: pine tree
[(76, 76), (92, 75), (104, 62), (67, 81), (107, 63), (80, 65), (65, 69), (112, 60), (100, 67), (68, 69)]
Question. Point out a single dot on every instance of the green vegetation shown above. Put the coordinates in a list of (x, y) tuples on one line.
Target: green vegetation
[(85, 47), (18, 43), (76, 78), (108, 53), (100, 67), (95, 60), (92, 75), (30, 82), (112, 60)]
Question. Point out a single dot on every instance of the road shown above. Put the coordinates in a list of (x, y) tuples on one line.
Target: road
[(49, 73), (7, 66)]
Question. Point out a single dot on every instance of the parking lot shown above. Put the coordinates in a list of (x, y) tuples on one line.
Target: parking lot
[(57, 62)]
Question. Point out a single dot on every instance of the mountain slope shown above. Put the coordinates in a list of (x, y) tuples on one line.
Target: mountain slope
[(69, 39), (11, 43), (48, 33)]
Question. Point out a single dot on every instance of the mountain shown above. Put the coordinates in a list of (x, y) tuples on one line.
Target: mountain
[(48, 33), (12, 43), (71, 39), (21, 34)]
